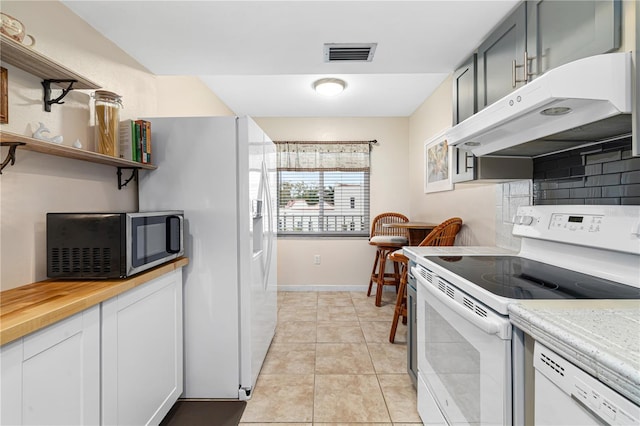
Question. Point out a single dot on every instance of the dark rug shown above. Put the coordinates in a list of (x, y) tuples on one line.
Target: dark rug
[(204, 413)]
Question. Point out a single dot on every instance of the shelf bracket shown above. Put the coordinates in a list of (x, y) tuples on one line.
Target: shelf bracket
[(11, 155), (134, 175), (46, 84)]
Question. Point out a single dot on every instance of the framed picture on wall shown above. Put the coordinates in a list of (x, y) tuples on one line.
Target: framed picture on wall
[(4, 98), (438, 164)]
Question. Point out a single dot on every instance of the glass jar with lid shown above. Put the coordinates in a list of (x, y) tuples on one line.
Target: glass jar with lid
[(107, 120)]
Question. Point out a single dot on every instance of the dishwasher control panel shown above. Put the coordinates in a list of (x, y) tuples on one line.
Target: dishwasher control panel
[(577, 395)]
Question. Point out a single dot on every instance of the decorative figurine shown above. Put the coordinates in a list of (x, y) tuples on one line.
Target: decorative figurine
[(38, 134)]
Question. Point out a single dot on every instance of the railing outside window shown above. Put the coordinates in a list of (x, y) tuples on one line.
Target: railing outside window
[(293, 223)]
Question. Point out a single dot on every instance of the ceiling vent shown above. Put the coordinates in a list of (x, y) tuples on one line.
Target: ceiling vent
[(361, 52)]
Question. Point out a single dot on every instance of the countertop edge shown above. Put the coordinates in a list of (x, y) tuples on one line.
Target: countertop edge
[(25, 321), (621, 377)]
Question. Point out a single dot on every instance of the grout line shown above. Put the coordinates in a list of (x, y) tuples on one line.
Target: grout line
[(360, 323), (315, 365)]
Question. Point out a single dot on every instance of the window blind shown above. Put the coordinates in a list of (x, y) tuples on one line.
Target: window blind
[(323, 188)]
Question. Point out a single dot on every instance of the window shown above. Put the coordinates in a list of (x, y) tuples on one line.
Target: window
[(323, 188)]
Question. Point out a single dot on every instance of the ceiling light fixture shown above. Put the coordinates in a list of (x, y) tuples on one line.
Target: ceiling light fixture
[(329, 86)]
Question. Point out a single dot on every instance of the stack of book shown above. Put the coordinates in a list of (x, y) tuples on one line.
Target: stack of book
[(135, 140)]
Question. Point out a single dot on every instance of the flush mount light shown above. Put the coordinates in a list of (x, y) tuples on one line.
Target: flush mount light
[(329, 86), (556, 111)]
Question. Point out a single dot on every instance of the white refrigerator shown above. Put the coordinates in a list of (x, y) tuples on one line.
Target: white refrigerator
[(222, 172)]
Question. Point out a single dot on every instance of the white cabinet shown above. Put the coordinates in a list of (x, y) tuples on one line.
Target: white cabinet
[(142, 367), (52, 376), (117, 362)]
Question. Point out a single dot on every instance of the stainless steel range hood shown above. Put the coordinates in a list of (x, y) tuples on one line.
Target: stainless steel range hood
[(582, 102)]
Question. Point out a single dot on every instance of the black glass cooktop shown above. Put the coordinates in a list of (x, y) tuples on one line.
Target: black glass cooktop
[(520, 278)]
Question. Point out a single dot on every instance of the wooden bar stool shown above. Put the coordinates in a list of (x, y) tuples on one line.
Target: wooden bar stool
[(386, 240), (442, 235)]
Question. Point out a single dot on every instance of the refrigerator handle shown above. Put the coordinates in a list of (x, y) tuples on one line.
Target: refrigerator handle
[(267, 191), (256, 208)]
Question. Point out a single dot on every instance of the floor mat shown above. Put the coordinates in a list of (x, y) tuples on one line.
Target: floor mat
[(204, 413)]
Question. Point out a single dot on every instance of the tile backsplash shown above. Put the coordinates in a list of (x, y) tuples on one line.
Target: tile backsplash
[(510, 196), (598, 174)]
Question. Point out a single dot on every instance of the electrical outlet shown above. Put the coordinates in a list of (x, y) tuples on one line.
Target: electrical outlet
[(316, 259)]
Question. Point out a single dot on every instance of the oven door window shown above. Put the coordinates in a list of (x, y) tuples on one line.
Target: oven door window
[(466, 370), (154, 238)]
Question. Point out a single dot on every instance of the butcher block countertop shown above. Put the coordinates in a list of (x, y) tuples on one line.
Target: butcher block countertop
[(600, 336), (31, 307)]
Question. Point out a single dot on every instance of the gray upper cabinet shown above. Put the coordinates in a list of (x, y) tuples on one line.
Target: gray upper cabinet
[(463, 166), (559, 32), (540, 35), (497, 74), (464, 91), (464, 106)]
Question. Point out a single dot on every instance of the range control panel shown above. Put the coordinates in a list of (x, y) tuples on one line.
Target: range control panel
[(583, 223), (615, 228)]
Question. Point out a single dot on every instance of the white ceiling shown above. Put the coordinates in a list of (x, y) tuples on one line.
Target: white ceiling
[(261, 57)]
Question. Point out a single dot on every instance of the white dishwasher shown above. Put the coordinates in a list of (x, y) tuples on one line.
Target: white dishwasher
[(566, 395)]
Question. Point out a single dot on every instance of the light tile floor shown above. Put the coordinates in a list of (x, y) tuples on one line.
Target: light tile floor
[(331, 363)]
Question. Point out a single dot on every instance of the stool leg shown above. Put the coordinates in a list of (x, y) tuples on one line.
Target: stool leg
[(396, 275), (373, 272), (382, 263), (399, 304)]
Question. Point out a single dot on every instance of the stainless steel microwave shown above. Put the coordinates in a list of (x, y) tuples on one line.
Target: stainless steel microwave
[(111, 245)]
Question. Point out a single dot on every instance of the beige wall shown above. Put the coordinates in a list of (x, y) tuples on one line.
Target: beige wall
[(345, 262), (629, 30), (474, 203), (187, 97), (40, 183)]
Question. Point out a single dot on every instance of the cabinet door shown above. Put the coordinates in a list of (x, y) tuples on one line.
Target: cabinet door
[(52, 376), (463, 165), (563, 31), (142, 352), (464, 91), (496, 54)]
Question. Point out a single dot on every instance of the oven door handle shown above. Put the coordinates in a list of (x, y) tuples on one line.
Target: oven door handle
[(483, 320)]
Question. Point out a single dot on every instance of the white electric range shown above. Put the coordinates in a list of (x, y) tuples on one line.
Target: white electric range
[(470, 358)]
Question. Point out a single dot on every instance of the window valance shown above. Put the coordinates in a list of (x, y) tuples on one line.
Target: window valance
[(324, 156)]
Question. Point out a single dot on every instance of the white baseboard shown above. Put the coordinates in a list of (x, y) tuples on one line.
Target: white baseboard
[(329, 287)]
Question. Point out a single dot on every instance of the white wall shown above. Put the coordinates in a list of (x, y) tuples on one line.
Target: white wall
[(40, 183), (347, 261)]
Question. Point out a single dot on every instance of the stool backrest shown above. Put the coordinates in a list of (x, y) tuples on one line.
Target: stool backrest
[(389, 217), (443, 234)]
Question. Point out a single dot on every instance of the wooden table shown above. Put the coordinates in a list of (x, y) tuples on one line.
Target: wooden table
[(417, 230)]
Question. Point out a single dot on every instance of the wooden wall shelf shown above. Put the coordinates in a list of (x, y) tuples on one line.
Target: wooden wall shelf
[(51, 148), (51, 72), (35, 63)]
